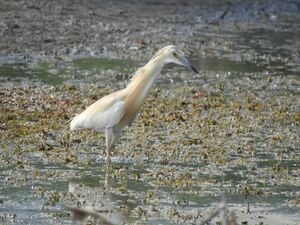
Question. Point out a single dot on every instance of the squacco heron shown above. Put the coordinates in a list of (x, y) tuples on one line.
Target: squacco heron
[(114, 112)]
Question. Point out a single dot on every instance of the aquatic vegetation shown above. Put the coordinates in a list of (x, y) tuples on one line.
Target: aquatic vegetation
[(207, 130)]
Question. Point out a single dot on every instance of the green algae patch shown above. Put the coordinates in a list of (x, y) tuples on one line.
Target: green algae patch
[(99, 63), (55, 71)]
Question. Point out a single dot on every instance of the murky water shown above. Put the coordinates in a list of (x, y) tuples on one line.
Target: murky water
[(263, 163), (57, 71)]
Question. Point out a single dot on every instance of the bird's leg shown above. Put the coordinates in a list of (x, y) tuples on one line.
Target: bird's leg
[(108, 139), (107, 177), (111, 138)]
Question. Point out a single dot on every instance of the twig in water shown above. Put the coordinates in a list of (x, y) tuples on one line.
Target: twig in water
[(217, 212)]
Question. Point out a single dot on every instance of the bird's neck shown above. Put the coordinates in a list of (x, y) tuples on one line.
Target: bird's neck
[(146, 76), (152, 70), (144, 79)]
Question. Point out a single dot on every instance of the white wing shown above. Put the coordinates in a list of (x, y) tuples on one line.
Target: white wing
[(106, 112)]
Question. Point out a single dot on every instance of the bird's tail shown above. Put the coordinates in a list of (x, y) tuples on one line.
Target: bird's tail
[(74, 125)]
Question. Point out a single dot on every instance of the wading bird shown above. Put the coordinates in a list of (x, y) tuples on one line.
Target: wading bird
[(114, 112)]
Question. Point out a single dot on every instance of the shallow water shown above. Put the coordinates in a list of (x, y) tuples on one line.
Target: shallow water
[(57, 71), (177, 169)]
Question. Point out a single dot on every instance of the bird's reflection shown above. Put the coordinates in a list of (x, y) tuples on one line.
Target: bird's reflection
[(107, 213), (107, 182)]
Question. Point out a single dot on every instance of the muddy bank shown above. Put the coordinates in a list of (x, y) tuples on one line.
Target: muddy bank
[(133, 29)]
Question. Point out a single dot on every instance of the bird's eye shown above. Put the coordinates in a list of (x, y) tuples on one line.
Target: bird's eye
[(175, 54)]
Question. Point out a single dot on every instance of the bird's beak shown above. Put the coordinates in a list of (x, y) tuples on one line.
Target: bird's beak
[(187, 64)]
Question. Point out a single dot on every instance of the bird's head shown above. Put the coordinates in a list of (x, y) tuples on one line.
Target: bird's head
[(171, 54)]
